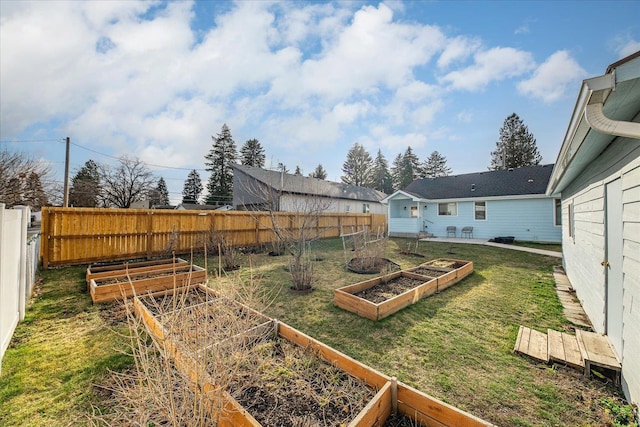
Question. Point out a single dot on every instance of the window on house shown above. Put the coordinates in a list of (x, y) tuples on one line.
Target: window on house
[(480, 211), (448, 209), (347, 208), (414, 212), (558, 212), (365, 208)]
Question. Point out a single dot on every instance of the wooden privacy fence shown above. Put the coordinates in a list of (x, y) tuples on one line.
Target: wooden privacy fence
[(85, 235)]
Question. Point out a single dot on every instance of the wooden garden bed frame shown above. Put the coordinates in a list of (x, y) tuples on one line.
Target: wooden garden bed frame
[(146, 279), (99, 271), (345, 297), (391, 396)]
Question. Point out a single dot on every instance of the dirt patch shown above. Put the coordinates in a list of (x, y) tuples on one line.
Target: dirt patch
[(282, 384), (371, 265), (113, 313), (387, 290)]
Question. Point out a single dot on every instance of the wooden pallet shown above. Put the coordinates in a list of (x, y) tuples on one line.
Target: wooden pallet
[(581, 351)]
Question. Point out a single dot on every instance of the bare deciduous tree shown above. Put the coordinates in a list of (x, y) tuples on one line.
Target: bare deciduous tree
[(24, 180), (129, 182)]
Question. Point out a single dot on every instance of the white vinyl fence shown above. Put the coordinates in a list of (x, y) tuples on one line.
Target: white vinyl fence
[(18, 264)]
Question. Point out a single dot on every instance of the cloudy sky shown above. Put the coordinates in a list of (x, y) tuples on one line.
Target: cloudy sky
[(155, 80)]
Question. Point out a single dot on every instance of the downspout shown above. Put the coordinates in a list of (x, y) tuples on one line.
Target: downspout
[(600, 88)]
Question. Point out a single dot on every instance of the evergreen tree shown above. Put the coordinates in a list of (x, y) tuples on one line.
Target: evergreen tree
[(159, 196), (319, 173), (192, 188), (34, 194), (396, 172), (222, 154), (357, 167), (85, 186), (380, 175), (252, 154), (405, 169), (282, 167), (298, 171), (516, 147), (435, 166)]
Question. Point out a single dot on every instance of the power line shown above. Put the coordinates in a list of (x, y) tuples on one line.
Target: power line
[(146, 163), (11, 141)]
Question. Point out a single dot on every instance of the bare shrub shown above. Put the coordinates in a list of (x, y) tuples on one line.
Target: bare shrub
[(210, 331), (293, 219), (226, 248)]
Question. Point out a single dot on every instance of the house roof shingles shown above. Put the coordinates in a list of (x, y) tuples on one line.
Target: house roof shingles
[(529, 180), (298, 184)]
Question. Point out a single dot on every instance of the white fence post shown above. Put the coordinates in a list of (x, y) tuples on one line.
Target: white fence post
[(23, 285)]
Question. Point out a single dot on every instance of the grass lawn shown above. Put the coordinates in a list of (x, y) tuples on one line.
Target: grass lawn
[(456, 345)]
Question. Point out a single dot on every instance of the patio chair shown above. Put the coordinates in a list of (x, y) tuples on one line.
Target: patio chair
[(467, 232), (451, 230)]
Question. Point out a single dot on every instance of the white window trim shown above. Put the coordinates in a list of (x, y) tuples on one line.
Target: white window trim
[(485, 210), (555, 213)]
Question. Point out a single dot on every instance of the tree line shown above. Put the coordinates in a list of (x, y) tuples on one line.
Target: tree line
[(97, 185)]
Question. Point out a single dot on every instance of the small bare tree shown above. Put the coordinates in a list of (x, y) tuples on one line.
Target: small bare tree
[(293, 217)]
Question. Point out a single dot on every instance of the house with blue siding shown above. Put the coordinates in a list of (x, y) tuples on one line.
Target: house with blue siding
[(485, 204), (597, 175)]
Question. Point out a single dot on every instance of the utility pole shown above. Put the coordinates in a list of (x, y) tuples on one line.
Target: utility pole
[(65, 200)]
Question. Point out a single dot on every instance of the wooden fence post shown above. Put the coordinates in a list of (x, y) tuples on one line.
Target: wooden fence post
[(44, 242), (149, 234)]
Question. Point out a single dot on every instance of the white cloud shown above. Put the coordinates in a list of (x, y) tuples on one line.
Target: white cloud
[(631, 46), (490, 65), (359, 61), (382, 136), (552, 78), (458, 49)]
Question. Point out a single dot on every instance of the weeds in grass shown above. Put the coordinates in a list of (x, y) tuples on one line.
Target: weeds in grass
[(621, 414)]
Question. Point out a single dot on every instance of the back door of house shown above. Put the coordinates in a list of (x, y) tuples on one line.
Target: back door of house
[(614, 263)]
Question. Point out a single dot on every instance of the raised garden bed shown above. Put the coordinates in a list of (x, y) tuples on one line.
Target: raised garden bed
[(382, 296), (127, 284), (115, 269), (348, 393)]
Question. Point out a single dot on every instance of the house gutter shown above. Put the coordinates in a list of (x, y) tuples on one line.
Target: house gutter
[(588, 114), (600, 88)]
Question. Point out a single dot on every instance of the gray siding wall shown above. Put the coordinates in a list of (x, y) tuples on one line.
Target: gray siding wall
[(293, 202), (584, 247)]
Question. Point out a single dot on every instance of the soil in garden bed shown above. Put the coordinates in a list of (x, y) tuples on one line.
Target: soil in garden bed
[(200, 326), (445, 264), (384, 291), (370, 265), (400, 420), (164, 303), (282, 384), (426, 271)]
